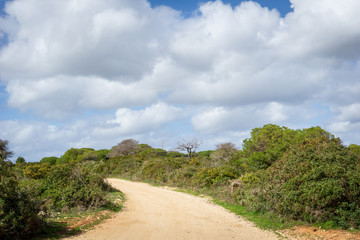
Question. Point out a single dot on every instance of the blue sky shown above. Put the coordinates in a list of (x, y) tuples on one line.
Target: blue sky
[(91, 73), (188, 6)]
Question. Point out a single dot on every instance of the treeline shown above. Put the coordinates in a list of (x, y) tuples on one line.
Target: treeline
[(306, 174)]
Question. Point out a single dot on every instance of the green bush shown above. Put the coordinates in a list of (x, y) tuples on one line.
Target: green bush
[(174, 154), (266, 145), (316, 181), (36, 171), (49, 160), (183, 176), (159, 170), (19, 208), (126, 166), (205, 153), (269, 144), (208, 177), (103, 154), (74, 155), (152, 152), (68, 186)]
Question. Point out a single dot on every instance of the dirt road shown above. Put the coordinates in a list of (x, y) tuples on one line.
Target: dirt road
[(161, 214)]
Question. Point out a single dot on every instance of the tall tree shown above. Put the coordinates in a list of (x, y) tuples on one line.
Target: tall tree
[(5, 153)]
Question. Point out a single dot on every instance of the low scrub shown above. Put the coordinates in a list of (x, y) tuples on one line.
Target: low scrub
[(67, 187)]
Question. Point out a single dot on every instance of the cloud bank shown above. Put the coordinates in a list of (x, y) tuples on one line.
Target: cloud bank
[(151, 72)]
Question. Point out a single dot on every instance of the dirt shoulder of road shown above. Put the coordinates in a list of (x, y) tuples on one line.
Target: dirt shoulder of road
[(315, 233)]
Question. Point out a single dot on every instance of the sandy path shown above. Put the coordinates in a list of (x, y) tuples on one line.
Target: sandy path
[(161, 214)]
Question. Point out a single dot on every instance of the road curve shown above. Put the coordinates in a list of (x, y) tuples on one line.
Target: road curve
[(153, 213)]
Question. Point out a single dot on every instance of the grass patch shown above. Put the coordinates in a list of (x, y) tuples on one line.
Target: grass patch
[(330, 225), (189, 191), (266, 221)]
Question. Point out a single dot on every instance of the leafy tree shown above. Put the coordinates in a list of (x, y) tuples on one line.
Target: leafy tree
[(267, 144), (318, 133), (355, 149), (74, 155), (5, 153), (124, 148), (49, 160), (20, 160), (71, 155)]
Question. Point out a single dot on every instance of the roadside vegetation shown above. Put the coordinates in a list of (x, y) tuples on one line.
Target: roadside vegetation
[(39, 199), (281, 174)]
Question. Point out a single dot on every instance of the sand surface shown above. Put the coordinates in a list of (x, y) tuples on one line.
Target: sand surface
[(158, 213)]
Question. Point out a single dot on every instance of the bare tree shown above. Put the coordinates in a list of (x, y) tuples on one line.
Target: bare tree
[(126, 147), (4, 150), (190, 146)]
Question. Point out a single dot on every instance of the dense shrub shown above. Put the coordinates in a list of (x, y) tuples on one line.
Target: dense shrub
[(125, 166), (36, 171), (152, 152), (19, 208), (355, 149), (103, 154), (269, 144), (67, 187), (159, 170), (175, 154), (49, 160), (205, 153), (266, 145), (208, 177), (183, 176), (316, 181), (75, 155)]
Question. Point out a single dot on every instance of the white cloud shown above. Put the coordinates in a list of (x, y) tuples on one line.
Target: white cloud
[(112, 39), (351, 113), (347, 120), (61, 97), (223, 55), (324, 28), (129, 121), (220, 119), (34, 140), (230, 69)]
